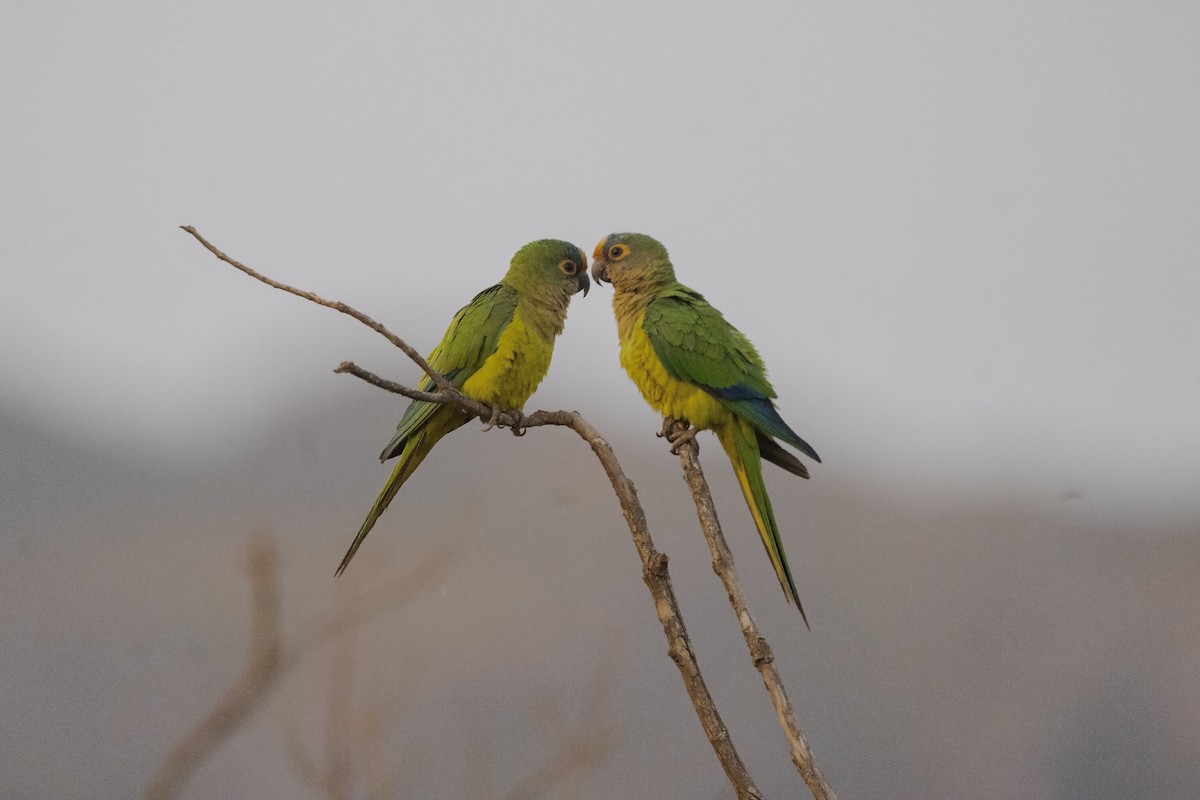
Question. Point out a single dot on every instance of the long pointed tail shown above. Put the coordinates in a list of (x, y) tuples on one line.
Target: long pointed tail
[(411, 456), (741, 445)]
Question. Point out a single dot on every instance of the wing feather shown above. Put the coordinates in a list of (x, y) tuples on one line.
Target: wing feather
[(695, 343), (471, 338)]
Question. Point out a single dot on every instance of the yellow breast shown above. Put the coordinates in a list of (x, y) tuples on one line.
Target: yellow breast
[(509, 376), (666, 395)]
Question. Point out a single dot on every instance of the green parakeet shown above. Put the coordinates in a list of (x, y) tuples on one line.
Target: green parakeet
[(496, 350), (690, 364)]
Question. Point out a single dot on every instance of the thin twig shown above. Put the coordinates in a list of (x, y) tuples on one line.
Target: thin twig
[(654, 563), (450, 397), (760, 650), (438, 379), (350, 368)]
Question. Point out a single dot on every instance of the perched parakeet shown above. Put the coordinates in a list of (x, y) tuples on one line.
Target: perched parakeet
[(690, 364), (496, 350)]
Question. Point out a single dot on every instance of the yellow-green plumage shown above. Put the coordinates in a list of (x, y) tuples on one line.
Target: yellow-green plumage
[(666, 395), (510, 375), (496, 351), (690, 364)]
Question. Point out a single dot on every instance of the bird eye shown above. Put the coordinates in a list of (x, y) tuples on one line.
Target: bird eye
[(568, 266), (617, 251)]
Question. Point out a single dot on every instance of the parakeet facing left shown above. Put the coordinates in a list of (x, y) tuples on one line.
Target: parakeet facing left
[(692, 365), (496, 350)]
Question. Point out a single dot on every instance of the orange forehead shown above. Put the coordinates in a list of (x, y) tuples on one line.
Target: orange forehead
[(599, 253)]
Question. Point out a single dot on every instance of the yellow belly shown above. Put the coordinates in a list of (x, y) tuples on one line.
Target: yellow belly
[(666, 395), (509, 376)]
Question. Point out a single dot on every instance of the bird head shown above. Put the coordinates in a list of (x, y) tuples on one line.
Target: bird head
[(630, 261), (550, 266)]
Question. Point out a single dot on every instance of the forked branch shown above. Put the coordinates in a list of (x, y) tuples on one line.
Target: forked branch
[(654, 563)]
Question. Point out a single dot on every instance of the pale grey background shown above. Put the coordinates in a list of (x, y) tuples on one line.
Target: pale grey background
[(963, 236)]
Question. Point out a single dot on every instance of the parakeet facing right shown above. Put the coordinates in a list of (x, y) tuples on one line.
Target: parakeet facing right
[(496, 350), (692, 365)]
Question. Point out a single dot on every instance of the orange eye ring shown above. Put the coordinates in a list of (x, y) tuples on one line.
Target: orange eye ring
[(617, 251), (568, 266)]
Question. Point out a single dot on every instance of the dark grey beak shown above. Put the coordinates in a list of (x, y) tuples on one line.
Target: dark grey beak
[(582, 283), (600, 272)]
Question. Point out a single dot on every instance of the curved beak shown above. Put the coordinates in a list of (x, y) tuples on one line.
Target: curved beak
[(600, 272), (582, 284)]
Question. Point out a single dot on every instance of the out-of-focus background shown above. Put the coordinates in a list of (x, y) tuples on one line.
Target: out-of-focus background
[(963, 236)]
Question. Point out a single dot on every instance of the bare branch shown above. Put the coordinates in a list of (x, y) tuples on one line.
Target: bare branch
[(760, 650), (472, 407), (657, 579), (438, 379), (654, 563), (446, 398)]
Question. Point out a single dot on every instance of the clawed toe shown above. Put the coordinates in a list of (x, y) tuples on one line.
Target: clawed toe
[(681, 439), (518, 426), (677, 432), (494, 419)]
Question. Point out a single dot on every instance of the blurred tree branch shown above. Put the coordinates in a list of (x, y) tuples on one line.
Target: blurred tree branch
[(353, 747), (262, 668), (760, 650), (577, 749), (336, 779), (353, 742), (654, 563), (272, 655)]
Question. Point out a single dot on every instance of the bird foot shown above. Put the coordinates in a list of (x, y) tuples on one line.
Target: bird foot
[(678, 433), (518, 426), (494, 419), (683, 438)]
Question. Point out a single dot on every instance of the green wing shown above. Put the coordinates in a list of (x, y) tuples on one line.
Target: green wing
[(696, 344), (470, 340)]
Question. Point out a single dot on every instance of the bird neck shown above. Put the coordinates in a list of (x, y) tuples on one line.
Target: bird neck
[(630, 301), (544, 310)]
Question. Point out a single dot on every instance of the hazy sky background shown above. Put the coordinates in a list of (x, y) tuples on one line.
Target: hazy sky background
[(963, 235)]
